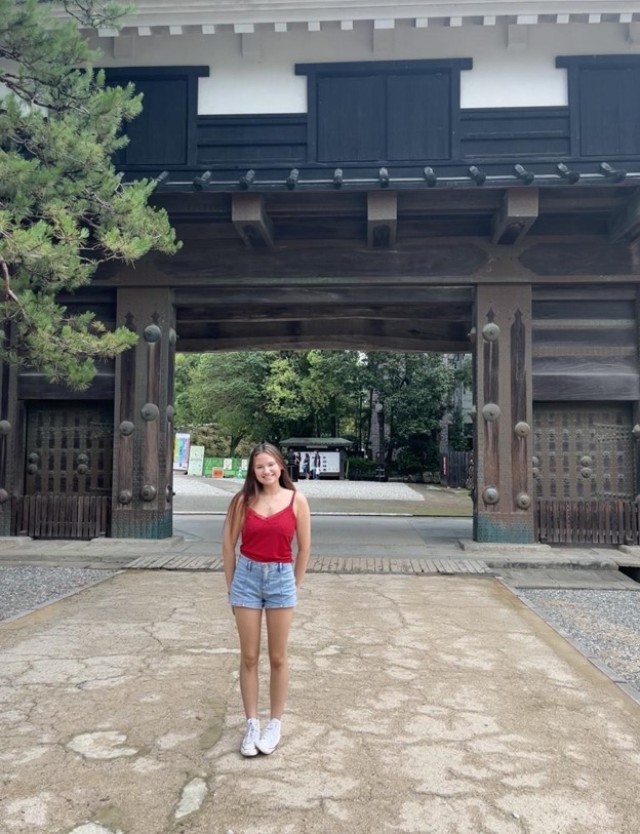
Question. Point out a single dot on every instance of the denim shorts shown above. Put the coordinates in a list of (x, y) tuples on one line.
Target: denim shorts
[(263, 584)]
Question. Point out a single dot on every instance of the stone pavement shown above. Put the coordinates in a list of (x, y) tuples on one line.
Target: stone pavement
[(426, 696), (436, 704)]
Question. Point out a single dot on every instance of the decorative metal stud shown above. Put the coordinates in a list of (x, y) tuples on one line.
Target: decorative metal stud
[(5, 427), (82, 469), (34, 457), (535, 460), (635, 431), (586, 461), (586, 472), (82, 458), (32, 469), (491, 412), (149, 412), (490, 495), (473, 334), (148, 492), (126, 428), (4, 496), (125, 496), (491, 332), (523, 500), (170, 413), (173, 336), (522, 429), (152, 333), (536, 473)]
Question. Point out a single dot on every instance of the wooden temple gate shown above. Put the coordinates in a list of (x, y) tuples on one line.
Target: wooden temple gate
[(514, 241)]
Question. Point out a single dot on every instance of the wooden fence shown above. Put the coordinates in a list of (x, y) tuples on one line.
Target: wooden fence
[(62, 516), (454, 468), (606, 522)]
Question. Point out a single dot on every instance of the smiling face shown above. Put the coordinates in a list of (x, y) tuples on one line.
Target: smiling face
[(266, 469)]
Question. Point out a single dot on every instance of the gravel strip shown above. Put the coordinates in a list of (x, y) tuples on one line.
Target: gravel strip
[(185, 486), (24, 588), (605, 624)]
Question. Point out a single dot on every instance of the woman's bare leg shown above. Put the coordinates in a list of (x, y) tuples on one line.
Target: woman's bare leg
[(278, 626), (249, 621)]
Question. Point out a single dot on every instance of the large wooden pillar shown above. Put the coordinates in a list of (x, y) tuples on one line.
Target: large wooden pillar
[(143, 441), (504, 506)]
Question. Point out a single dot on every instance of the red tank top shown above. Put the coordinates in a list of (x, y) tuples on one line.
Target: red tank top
[(268, 538)]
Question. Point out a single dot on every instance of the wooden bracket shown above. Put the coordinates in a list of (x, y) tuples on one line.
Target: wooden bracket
[(519, 211), (625, 223), (252, 222), (382, 219)]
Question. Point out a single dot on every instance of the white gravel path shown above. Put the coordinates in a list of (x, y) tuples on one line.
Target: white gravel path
[(185, 486)]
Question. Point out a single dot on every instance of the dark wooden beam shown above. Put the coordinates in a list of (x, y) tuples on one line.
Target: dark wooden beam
[(625, 223), (382, 219), (251, 220), (519, 211), (281, 312), (453, 299), (342, 341), (418, 334)]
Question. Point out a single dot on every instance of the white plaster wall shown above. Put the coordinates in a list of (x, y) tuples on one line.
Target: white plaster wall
[(263, 80)]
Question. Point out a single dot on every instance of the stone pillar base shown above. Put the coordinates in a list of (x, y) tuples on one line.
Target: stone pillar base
[(503, 529), (144, 525)]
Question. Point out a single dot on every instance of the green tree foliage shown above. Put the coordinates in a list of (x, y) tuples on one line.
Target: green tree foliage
[(458, 438), (223, 392), (247, 397), (63, 208), (282, 389), (415, 389), (332, 390)]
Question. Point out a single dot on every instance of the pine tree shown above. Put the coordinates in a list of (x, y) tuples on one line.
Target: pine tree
[(63, 208)]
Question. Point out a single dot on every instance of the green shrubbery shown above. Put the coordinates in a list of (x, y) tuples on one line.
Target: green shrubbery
[(361, 469)]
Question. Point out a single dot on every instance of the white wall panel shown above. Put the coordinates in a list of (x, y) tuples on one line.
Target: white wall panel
[(263, 79)]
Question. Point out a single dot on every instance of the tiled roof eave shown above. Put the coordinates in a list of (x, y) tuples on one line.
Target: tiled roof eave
[(214, 17)]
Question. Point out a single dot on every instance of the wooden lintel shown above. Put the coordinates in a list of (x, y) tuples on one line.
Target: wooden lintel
[(382, 219), (519, 211), (625, 223), (325, 342), (251, 220)]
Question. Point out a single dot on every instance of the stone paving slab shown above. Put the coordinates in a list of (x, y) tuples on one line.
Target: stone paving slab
[(568, 578), (444, 706)]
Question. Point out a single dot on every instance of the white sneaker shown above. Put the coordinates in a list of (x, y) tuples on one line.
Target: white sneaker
[(248, 746), (270, 739)]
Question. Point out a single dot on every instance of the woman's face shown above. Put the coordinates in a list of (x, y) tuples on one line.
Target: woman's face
[(266, 469)]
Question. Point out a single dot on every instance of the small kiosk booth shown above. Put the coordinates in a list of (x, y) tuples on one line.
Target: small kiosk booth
[(332, 452)]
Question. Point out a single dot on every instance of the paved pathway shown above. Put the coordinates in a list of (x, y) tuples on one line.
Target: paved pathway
[(439, 705)]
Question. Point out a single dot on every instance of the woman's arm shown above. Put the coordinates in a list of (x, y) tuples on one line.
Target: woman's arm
[(230, 536), (303, 537)]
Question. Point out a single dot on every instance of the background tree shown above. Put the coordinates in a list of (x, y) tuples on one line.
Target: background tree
[(246, 397), (63, 208), (220, 398), (415, 390)]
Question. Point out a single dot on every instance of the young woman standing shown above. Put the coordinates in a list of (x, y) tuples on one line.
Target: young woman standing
[(266, 515)]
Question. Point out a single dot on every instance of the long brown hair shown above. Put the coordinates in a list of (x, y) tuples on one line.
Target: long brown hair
[(252, 487)]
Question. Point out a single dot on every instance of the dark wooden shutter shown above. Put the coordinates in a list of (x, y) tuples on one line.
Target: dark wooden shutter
[(418, 117), (351, 119), (158, 136), (609, 111), (164, 134), (383, 112)]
